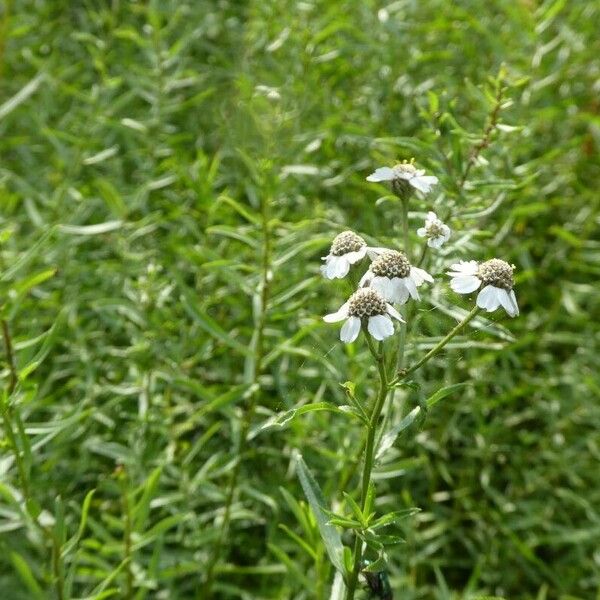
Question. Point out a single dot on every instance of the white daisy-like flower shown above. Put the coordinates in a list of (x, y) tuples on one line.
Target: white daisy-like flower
[(403, 176), (347, 248), (392, 275), (365, 307), (436, 232), (496, 278)]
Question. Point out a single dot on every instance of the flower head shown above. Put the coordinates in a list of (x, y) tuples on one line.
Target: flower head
[(392, 275), (435, 231), (496, 277), (347, 248), (365, 307), (403, 176)]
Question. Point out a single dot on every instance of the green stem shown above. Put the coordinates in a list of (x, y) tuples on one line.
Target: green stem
[(7, 416), (404, 374), (127, 532), (10, 414), (57, 567), (10, 357), (369, 459), (423, 255), (405, 232)]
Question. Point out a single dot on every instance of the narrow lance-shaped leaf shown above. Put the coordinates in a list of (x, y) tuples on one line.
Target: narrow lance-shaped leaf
[(331, 536)]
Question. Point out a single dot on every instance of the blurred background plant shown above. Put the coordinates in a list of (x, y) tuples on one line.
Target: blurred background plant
[(140, 144)]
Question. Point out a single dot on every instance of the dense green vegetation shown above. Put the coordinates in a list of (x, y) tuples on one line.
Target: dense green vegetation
[(169, 169)]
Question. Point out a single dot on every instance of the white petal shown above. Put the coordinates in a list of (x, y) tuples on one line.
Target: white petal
[(342, 266), (374, 252), (489, 298), (354, 257), (400, 294), (470, 267), (340, 315), (421, 232), (335, 267), (394, 313), (382, 174), (384, 286), (419, 276), (513, 299), (424, 183), (435, 242), (431, 216), (350, 330), (505, 301), (409, 284), (330, 267), (509, 302), (380, 327), (465, 284), (365, 280)]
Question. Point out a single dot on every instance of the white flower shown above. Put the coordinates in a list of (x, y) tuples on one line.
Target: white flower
[(403, 175), (496, 277), (347, 248), (365, 307), (392, 275), (436, 232)]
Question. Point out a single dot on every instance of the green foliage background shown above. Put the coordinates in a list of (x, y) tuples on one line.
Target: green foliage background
[(137, 141)]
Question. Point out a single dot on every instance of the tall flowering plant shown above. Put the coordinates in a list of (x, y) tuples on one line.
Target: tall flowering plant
[(389, 281)]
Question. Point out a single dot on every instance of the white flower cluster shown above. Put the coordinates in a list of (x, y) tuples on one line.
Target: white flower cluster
[(392, 279)]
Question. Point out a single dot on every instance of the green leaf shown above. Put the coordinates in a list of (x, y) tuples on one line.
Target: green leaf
[(284, 419), (443, 392), (388, 439), (85, 509), (303, 544), (28, 256), (27, 577), (358, 513), (349, 388), (395, 517), (96, 229), (208, 324), (142, 508), (25, 285), (329, 534)]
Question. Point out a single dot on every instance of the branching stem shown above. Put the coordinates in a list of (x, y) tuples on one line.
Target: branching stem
[(453, 332)]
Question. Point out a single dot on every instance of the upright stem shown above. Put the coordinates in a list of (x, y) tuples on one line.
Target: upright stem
[(382, 394), (405, 232), (257, 366), (369, 459)]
